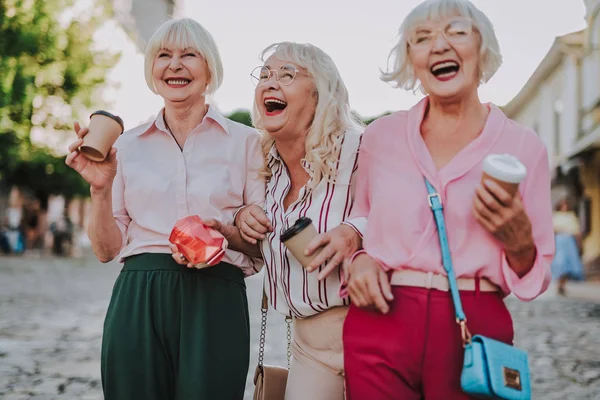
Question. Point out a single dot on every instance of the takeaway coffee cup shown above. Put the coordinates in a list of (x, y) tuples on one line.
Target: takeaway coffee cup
[(506, 170), (104, 130), (297, 237)]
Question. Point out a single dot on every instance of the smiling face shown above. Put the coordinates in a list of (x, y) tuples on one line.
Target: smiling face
[(445, 57), (285, 99), (180, 75)]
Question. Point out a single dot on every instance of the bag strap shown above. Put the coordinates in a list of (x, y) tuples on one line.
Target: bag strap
[(435, 203), (264, 309)]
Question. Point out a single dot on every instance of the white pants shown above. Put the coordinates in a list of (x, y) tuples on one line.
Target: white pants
[(317, 366)]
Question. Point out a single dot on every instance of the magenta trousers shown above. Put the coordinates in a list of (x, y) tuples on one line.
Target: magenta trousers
[(415, 351)]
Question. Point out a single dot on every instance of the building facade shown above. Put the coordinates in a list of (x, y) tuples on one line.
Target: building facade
[(140, 18), (561, 101)]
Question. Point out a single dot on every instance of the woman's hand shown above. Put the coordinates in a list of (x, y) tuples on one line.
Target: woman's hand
[(99, 175), (336, 245), (253, 223), (178, 257), (504, 217), (368, 285), (228, 231)]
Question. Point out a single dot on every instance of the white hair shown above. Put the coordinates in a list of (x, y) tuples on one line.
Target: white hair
[(185, 33), (333, 116), (490, 59)]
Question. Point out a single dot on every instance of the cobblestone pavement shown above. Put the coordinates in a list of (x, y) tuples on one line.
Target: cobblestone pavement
[(51, 314)]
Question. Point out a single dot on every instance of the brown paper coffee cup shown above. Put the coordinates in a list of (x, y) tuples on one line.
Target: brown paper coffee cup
[(104, 130), (511, 188), (297, 238), (504, 169)]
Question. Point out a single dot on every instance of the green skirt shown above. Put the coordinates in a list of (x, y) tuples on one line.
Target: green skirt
[(176, 333)]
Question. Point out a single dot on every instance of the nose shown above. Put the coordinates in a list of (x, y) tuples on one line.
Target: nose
[(272, 83), (440, 44), (175, 64)]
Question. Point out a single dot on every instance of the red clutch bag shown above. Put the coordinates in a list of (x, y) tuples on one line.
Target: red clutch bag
[(203, 246)]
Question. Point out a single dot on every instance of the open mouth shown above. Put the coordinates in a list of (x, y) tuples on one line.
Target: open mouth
[(274, 106), (178, 82), (445, 70)]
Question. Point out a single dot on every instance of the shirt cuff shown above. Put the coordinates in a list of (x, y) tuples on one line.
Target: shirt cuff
[(532, 284), (359, 224)]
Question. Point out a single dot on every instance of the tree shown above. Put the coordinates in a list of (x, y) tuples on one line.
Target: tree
[(50, 74), (241, 116)]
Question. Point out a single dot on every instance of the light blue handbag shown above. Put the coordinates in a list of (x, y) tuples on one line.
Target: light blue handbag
[(491, 369)]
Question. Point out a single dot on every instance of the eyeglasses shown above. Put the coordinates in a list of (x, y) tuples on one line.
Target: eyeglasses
[(456, 31), (284, 75)]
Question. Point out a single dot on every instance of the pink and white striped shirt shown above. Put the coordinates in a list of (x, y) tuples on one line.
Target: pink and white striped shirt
[(392, 198), (291, 289)]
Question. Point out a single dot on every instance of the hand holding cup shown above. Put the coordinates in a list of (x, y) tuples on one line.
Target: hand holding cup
[(98, 174)]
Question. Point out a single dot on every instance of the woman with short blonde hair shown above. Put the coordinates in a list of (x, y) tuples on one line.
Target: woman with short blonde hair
[(173, 332)]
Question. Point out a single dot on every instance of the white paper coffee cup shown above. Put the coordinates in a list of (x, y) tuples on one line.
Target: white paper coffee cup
[(505, 169)]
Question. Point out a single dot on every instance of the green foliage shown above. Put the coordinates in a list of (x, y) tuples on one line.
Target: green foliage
[(241, 116), (367, 121), (50, 74), (244, 117)]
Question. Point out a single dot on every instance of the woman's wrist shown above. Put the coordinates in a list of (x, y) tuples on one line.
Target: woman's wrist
[(101, 192), (521, 258)]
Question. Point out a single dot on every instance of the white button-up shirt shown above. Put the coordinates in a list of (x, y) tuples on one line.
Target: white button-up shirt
[(157, 183)]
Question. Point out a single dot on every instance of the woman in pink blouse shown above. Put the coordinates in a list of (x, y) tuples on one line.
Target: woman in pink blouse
[(401, 340), (173, 332), (310, 143)]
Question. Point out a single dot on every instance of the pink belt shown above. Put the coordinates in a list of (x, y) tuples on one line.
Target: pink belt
[(430, 280)]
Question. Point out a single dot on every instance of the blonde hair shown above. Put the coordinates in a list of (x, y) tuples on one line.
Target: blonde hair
[(333, 116), (490, 59), (185, 33)]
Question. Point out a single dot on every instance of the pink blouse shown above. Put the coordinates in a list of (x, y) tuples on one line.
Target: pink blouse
[(400, 229)]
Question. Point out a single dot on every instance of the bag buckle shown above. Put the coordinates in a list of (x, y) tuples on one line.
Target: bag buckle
[(430, 199), (464, 332)]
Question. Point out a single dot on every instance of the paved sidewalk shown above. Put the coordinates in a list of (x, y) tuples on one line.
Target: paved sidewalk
[(52, 310)]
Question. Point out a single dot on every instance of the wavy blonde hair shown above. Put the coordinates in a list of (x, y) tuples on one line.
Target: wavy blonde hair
[(333, 116)]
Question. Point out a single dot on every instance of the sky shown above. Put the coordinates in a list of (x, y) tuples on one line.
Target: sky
[(358, 38)]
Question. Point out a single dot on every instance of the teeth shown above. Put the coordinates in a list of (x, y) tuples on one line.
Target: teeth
[(177, 81), (275, 101), (444, 65)]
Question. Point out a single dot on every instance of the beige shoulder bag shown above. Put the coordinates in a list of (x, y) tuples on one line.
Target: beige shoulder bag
[(270, 380)]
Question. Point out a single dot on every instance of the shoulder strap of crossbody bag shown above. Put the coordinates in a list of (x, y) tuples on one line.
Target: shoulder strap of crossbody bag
[(264, 309), (435, 203)]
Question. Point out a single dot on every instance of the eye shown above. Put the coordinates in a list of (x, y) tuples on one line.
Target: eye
[(420, 36), (189, 55), (163, 54), (459, 28), (264, 73)]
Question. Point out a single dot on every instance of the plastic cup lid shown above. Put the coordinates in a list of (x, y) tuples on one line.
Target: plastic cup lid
[(109, 115), (504, 167)]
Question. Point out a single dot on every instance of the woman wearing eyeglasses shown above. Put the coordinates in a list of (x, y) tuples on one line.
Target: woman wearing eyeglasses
[(401, 339), (310, 141)]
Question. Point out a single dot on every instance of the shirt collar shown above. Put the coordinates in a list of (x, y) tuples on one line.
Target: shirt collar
[(274, 157), (212, 113)]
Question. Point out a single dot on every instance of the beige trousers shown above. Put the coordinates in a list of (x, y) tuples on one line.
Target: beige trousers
[(317, 366)]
